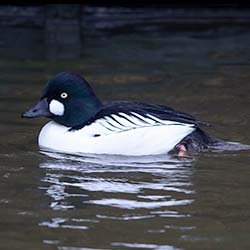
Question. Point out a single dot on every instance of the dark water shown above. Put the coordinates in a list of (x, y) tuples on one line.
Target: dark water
[(65, 202)]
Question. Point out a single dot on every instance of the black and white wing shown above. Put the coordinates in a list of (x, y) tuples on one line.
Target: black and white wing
[(122, 116), (136, 129)]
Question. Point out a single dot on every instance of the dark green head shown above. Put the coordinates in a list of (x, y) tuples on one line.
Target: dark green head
[(68, 100)]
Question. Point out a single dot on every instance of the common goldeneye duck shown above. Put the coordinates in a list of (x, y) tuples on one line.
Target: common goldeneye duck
[(81, 123)]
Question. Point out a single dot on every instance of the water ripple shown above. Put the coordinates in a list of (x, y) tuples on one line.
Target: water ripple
[(133, 204), (144, 246), (137, 188)]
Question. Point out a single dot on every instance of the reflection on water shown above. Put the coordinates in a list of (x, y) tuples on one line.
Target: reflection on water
[(77, 179), (116, 189), (143, 246)]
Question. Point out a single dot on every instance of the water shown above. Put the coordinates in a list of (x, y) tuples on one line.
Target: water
[(75, 202)]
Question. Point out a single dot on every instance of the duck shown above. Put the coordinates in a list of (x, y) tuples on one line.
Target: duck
[(82, 123)]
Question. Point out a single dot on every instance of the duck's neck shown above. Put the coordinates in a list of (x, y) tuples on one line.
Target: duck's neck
[(79, 113)]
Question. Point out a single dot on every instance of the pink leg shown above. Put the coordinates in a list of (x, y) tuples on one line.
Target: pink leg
[(182, 151)]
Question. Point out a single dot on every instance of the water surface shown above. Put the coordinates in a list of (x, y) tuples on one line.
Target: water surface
[(75, 202)]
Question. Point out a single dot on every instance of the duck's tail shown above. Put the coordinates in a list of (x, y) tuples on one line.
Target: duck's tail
[(199, 141)]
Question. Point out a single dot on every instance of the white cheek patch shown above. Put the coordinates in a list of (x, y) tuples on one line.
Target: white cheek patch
[(56, 108)]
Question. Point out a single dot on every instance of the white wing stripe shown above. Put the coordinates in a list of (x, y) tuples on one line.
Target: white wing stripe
[(124, 122), (107, 125), (137, 122), (156, 119), (116, 119), (145, 119), (167, 122), (114, 123)]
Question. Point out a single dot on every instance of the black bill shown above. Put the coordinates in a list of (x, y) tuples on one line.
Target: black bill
[(40, 109)]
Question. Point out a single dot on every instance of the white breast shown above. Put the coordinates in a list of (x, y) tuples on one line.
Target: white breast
[(119, 134)]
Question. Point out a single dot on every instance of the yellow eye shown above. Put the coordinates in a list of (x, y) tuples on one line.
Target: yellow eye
[(64, 95)]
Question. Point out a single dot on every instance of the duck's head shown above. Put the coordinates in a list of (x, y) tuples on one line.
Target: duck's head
[(67, 99)]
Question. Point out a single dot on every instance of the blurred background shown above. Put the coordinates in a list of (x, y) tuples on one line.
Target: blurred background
[(195, 58), (192, 57), (62, 29)]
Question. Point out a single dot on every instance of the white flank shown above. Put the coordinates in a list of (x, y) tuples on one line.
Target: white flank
[(125, 134), (56, 108)]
